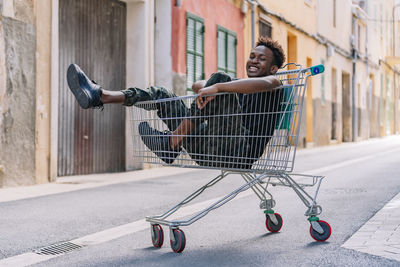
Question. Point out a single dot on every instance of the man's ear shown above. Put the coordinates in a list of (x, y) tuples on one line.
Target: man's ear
[(274, 69)]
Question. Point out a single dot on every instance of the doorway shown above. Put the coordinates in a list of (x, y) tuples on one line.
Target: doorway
[(346, 108), (92, 34)]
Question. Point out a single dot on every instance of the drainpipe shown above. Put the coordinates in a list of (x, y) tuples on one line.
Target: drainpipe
[(353, 82), (370, 93), (394, 71), (253, 22)]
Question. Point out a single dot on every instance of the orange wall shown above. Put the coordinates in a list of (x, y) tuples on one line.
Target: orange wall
[(215, 12)]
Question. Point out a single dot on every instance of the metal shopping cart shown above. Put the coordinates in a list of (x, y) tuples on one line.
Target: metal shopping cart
[(252, 135)]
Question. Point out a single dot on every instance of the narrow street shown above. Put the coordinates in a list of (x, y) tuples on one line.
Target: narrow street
[(361, 178)]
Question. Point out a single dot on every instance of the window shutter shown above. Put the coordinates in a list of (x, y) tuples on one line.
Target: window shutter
[(231, 58), (194, 50), (265, 29), (221, 51), (227, 43)]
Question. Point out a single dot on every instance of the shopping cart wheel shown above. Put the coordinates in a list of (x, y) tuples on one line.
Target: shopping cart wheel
[(321, 237), (157, 235), (180, 241), (271, 226)]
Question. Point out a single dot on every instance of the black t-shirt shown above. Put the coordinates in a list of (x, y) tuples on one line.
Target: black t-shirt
[(260, 113)]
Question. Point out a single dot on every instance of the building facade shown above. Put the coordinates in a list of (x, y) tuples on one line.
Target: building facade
[(43, 132), (173, 43), (356, 97)]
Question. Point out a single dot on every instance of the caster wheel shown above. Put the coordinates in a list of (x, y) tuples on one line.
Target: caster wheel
[(321, 237), (157, 235), (273, 228), (180, 241)]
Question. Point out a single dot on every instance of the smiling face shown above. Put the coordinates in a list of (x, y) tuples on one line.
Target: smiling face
[(260, 62)]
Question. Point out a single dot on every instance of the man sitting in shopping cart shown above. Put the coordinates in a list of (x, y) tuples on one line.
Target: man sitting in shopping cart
[(223, 130)]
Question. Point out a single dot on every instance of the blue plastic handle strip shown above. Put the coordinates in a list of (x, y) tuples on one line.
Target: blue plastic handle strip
[(317, 69)]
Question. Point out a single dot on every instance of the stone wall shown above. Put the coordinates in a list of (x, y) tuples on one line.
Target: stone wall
[(18, 95), (374, 117), (179, 83), (322, 122)]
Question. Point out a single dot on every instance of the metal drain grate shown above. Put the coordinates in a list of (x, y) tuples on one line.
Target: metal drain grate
[(58, 249)]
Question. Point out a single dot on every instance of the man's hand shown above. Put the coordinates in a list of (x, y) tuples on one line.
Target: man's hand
[(198, 85), (205, 95)]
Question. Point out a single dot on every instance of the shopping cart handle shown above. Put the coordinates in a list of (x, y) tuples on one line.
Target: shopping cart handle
[(317, 69)]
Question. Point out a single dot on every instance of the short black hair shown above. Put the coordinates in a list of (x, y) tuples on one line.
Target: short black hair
[(276, 48)]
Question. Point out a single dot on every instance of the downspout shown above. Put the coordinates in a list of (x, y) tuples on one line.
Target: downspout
[(353, 82), (369, 104), (394, 71), (395, 117), (253, 22), (357, 13)]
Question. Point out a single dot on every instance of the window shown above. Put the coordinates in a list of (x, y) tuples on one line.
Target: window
[(265, 29), (334, 13), (227, 43), (194, 50)]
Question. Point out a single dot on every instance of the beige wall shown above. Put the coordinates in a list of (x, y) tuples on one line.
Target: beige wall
[(43, 93), (373, 42), (17, 97)]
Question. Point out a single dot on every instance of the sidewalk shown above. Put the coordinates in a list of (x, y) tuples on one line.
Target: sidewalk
[(79, 182), (381, 234)]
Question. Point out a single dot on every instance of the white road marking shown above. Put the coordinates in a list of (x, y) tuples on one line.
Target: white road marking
[(30, 258), (348, 162), (25, 259)]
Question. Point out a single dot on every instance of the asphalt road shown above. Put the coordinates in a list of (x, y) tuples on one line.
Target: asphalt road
[(360, 179)]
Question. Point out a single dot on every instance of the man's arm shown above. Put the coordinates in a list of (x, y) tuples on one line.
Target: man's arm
[(249, 85), (243, 86)]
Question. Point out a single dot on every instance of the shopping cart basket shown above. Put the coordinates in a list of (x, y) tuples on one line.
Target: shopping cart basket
[(252, 135)]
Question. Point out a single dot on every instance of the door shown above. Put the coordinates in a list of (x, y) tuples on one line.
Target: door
[(346, 108), (92, 34)]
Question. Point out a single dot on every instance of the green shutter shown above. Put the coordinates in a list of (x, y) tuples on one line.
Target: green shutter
[(227, 43), (194, 50), (231, 55), (221, 50)]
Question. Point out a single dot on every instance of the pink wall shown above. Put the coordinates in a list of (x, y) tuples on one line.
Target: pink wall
[(215, 12)]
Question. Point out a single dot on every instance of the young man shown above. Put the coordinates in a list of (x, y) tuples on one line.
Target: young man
[(209, 134)]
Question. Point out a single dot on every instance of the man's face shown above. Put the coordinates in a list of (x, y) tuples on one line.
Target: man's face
[(260, 62)]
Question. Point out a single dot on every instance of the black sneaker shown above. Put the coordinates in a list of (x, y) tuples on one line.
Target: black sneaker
[(86, 92), (158, 142)]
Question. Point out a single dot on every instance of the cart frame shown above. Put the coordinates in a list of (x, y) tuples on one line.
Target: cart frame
[(275, 169)]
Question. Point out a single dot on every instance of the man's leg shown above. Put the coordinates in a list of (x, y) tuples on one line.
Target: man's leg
[(112, 97), (90, 95)]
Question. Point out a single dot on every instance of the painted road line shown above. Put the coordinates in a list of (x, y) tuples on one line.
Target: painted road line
[(110, 234), (25, 260), (380, 235), (30, 258), (74, 183), (349, 162)]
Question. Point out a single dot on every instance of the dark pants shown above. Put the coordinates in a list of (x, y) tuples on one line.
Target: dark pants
[(219, 139)]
